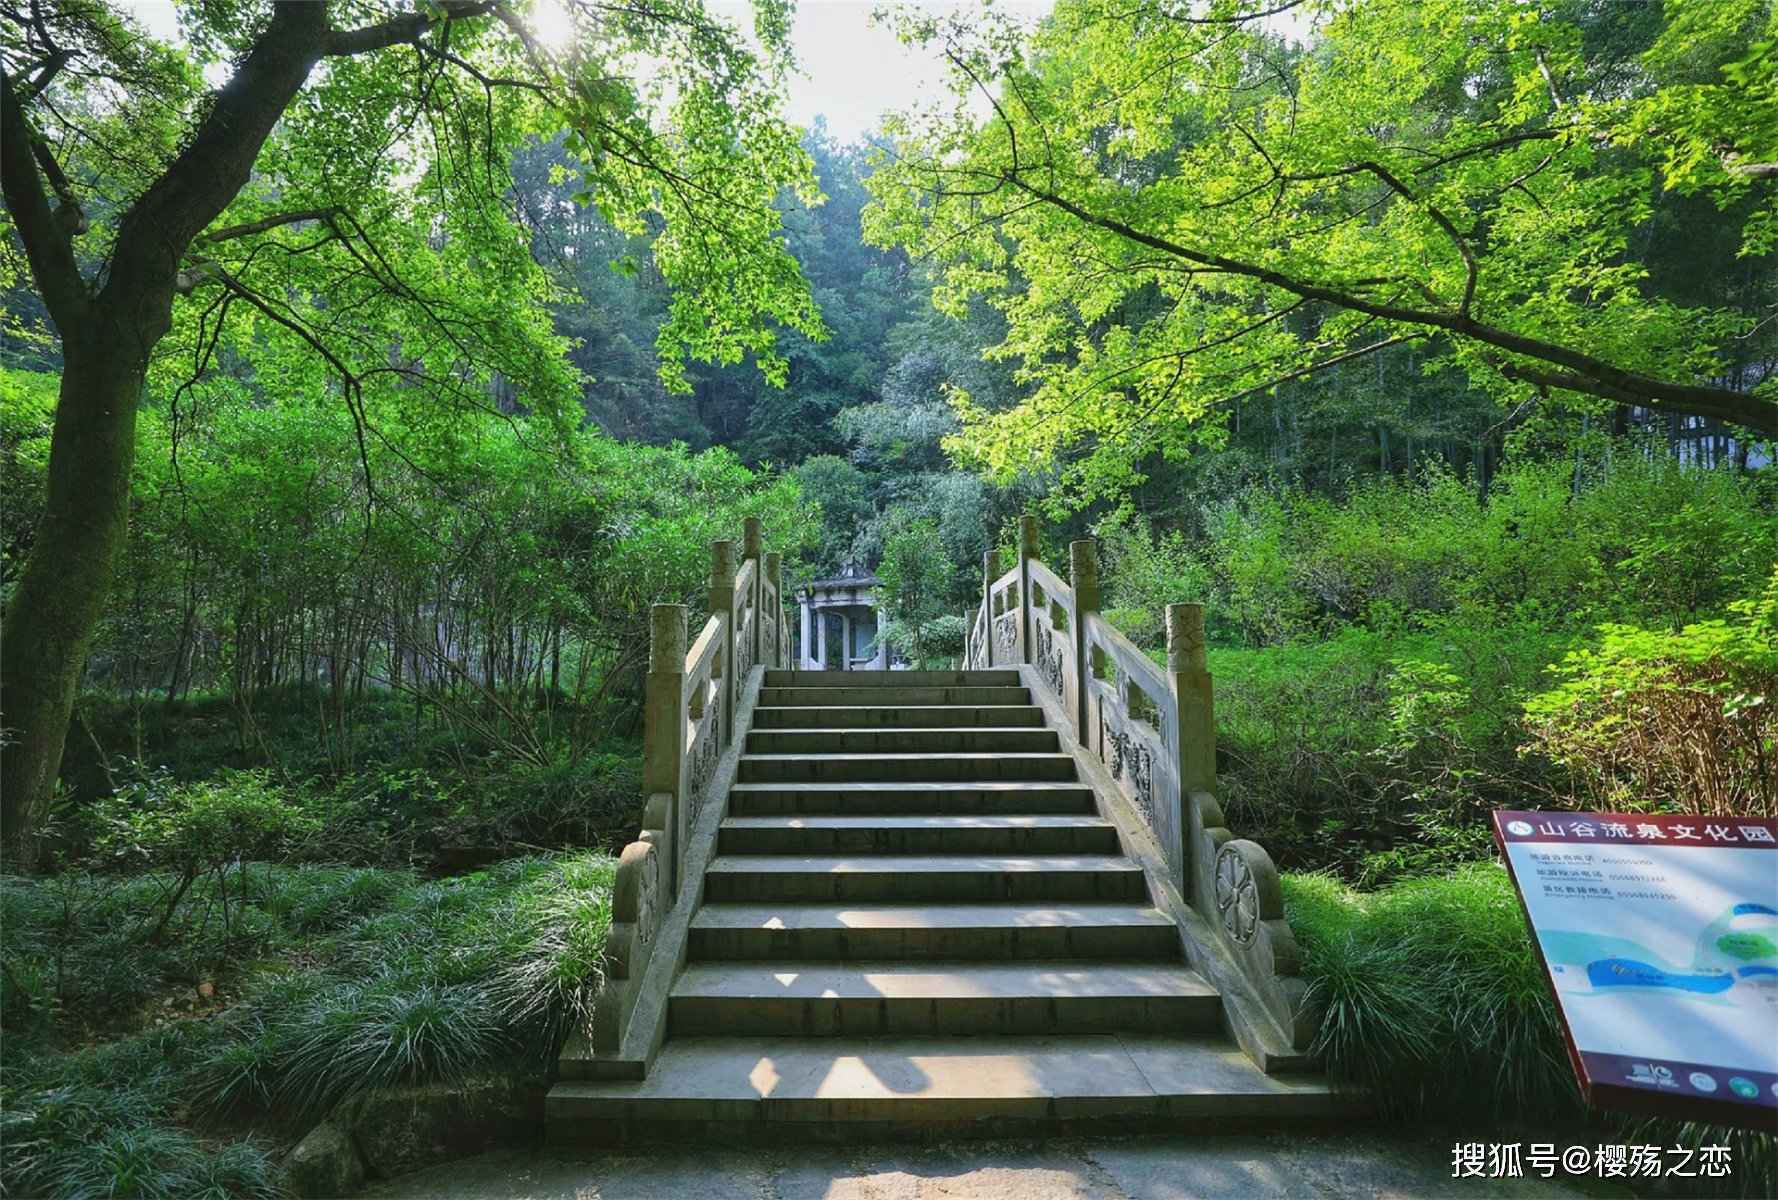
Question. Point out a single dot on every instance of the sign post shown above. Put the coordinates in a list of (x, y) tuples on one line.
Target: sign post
[(1659, 935)]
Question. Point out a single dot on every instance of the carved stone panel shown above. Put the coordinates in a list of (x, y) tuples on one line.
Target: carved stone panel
[(1128, 755), (743, 648), (706, 749), (1006, 631), (1237, 896), (1049, 656)]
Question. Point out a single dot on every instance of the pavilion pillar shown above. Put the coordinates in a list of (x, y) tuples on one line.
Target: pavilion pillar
[(821, 638), (804, 646)]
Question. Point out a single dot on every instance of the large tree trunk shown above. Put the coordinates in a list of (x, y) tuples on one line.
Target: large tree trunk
[(50, 622), (106, 341)]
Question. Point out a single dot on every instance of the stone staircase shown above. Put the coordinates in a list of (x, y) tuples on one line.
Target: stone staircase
[(917, 918)]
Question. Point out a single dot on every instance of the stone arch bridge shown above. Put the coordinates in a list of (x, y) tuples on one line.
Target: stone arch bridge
[(873, 901)]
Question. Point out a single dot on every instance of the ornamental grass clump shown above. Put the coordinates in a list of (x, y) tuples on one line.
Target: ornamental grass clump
[(156, 1163), (101, 1122), (1437, 1007), (361, 1035), (452, 979), (377, 978), (1434, 999)]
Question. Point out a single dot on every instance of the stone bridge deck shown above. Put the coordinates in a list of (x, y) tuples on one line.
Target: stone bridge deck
[(918, 918)]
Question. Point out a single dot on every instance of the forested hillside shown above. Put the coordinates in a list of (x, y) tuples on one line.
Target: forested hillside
[(353, 414)]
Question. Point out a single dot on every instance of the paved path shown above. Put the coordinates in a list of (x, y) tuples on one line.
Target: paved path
[(1248, 1167)]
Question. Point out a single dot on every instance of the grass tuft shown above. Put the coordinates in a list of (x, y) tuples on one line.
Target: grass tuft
[(1434, 1000), (1437, 1006)]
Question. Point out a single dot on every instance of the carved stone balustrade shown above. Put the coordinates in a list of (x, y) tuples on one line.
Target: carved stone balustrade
[(693, 712), (1152, 730)]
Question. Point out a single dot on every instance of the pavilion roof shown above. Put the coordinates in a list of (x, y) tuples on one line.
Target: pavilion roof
[(852, 575)]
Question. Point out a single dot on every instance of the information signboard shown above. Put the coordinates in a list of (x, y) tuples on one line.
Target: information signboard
[(1660, 937)]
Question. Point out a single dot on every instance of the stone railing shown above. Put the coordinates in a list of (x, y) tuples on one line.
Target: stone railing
[(975, 641), (1153, 731), (692, 717)]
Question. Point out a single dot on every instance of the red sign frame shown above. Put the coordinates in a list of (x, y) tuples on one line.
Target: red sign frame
[(1656, 1086)]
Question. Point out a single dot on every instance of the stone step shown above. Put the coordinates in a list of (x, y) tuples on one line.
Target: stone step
[(890, 999), (909, 716), (1023, 834), (818, 932), (901, 741), (754, 1088), (982, 796), (1002, 677), (904, 768), (947, 877), (890, 697)]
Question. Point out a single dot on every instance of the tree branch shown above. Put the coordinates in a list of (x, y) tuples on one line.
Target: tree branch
[(1753, 170), (488, 82), (1235, 19), (1323, 364), (46, 242), (1568, 381), (349, 381), (1394, 184), (1738, 408), (155, 233), (47, 70), (69, 214), (1499, 143), (249, 228), (397, 30)]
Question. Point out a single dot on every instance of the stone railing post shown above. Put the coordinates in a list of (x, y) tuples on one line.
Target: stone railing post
[(1083, 580), (722, 606), (805, 636), (752, 548), (663, 728), (1027, 552), (990, 560), (774, 571), (1189, 675)]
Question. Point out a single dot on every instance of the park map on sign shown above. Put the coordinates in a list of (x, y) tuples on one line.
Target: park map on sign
[(1660, 935)]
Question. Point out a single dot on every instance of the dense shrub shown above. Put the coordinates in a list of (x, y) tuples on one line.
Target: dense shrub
[(504, 573), (941, 639), (915, 592), (1374, 652), (1687, 719), (1150, 570), (1376, 753), (408, 814), (1295, 730), (411, 799), (192, 830), (1622, 535)]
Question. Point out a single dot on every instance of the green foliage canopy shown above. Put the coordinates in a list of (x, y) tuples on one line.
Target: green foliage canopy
[(377, 212), (1175, 209), (915, 589)]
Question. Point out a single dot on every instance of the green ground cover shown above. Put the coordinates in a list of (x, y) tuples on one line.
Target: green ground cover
[(176, 1063)]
